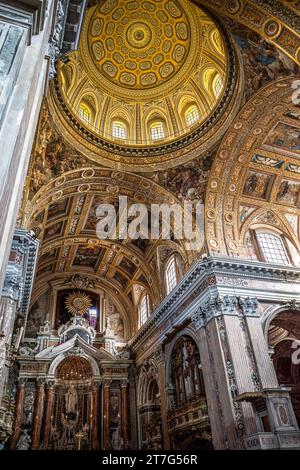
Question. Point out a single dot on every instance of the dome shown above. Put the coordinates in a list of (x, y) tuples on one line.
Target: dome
[(74, 368), (152, 85), (146, 72)]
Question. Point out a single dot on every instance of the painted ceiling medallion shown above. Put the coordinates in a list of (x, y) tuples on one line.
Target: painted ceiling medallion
[(78, 303)]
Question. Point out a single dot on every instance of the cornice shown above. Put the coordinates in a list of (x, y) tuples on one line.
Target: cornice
[(210, 268)]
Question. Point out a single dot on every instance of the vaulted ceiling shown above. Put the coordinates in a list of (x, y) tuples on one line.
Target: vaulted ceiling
[(256, 133)]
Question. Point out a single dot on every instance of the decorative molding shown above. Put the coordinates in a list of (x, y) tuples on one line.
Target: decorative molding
[(193, 285), (66, 30)]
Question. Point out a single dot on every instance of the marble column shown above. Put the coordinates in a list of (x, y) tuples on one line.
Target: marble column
[(239, 363), (133, 408), (260, 353), (19, 409), (162, 385), (8, 307), (38, 414), (218, 323), (124, 412), (26, 86), (48, 413), (95, 411), (106, 415)]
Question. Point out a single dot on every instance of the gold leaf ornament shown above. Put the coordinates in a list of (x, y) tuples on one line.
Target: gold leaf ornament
[(78, 303)]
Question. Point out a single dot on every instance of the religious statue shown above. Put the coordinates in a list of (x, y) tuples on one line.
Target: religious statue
[(117, 440), (24, 441), (28, 407), (69, 426), (71, 399)]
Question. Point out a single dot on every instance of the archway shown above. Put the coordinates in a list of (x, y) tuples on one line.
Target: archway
[(188, 419), (149, 410), (284, 338)]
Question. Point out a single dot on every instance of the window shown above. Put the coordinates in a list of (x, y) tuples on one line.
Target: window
[(192, 115), (144, 309), (84, 113), (171, 274), (157, 131), (119, 130), (218, 85), (272, 248), (93, 314)]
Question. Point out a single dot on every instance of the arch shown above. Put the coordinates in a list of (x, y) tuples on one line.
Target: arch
[(284, 339), (261, 25), (147, 373), (66, 77), (74, 368), (144, 309), (273, 311), (217, 85), (149, 408), (185, 332), (173, 271), (157, 129), (274, 220), (119, 129), (236, 162), (213, 81), (271, 245), (87, 109), (185, 373), (61, 357), (192, 115), (123, 117)]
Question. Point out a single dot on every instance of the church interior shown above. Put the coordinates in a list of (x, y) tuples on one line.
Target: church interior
[(127, 344)]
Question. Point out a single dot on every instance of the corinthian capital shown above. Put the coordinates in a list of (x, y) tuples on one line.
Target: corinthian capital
[(249, 306)]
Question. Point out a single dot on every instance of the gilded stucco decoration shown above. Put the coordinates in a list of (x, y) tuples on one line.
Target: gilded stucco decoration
[(254, 181), (60, 207), (274, 20), (144, 64)]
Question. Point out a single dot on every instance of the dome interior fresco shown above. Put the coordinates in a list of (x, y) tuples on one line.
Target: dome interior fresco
[(146, 73)]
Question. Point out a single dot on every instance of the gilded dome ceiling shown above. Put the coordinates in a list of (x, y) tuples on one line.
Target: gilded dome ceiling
[(139, 45), (147, 74)]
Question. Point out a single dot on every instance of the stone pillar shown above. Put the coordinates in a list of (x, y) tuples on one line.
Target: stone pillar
[(265, 369), (133, 408), (8, 305), (124, 413), (239, 364), (22, 75), (106, 415), (19, 408), (18, 281), (231, 368), (38, 414), (212, 389), (163, 392), (48, 413), (95, 411)]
